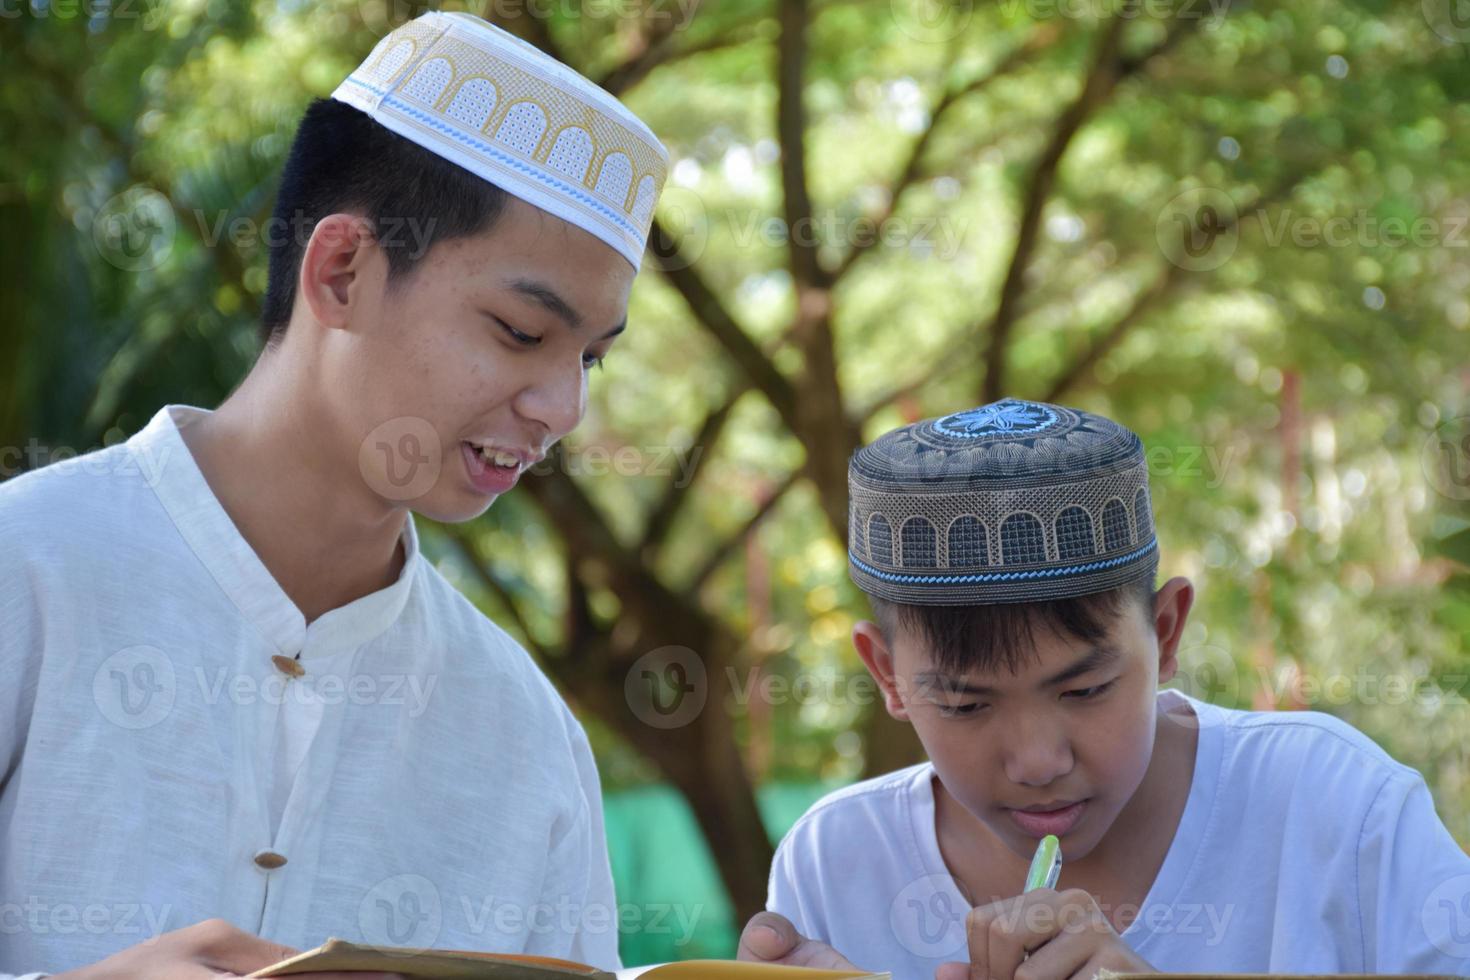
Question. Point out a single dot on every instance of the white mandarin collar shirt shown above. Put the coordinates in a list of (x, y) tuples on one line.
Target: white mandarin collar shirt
[(412, 780)]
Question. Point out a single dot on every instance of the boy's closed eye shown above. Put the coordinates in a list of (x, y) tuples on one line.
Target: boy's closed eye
[(590, 359), (975, 707), (1088, 693)]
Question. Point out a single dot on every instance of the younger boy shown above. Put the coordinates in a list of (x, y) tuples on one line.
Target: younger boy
[(1009, 553)]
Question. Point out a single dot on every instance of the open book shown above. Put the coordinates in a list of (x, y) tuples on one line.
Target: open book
[(447, 964)]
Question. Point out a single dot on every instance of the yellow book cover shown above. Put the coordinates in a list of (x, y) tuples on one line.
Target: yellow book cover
[(447, 964)]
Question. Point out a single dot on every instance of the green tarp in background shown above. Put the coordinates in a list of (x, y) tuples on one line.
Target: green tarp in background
[(671, 903)]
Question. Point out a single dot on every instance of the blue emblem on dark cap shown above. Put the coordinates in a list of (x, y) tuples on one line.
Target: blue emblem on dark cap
[(1011, 417)]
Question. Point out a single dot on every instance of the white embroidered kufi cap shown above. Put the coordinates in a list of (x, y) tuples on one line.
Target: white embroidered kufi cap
[(493, 104)]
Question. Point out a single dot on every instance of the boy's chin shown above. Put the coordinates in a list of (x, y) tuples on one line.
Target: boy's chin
[(452, 511)]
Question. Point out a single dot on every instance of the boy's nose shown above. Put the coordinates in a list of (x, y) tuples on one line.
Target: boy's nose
[(555, 396), (1036, 757)]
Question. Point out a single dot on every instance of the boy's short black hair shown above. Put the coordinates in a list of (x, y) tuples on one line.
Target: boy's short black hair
[(960, 639), (341, 160)]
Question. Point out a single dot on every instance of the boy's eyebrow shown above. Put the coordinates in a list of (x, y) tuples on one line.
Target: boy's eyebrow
[(1095, 659), (551, 300)]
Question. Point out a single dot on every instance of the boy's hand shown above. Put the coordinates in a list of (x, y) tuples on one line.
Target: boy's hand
[(771, 938), (209, 950), (1042, 935)]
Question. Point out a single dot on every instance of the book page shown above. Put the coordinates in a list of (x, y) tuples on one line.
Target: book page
[(732, 970), (448, 964), (432, 964)]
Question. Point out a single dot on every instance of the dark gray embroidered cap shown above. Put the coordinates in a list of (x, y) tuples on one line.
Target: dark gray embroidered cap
[(1015, 501)]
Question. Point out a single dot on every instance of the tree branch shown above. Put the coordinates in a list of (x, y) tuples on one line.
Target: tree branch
[(1148, 299), (661, 518), (1145, 301), (531, 28), (1101, 78), (729, 545), (580, 523), (459, 535), (677, 267), (728, 39), (912, 172), (791, 134), (655, 46)]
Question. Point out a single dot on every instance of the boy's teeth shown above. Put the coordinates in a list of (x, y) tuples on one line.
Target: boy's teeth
[(499, 458)]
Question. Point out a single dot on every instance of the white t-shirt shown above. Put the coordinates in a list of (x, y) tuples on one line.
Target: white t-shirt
[(1303, 848), (423, 780)]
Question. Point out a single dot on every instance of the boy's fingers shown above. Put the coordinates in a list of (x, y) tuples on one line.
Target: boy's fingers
[(1063, 956), (977, 939), (952, 971), (768, 936)]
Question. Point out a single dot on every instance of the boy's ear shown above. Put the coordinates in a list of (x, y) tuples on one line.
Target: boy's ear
[(332, 264), (1171, 610), (873, 647)]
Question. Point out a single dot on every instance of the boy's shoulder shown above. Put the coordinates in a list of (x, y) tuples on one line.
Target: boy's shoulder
[(1264, 769), (78, 494), (1299, 742), (870, 808)]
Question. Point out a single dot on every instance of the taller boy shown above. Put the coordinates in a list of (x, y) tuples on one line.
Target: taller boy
[(234, 689)]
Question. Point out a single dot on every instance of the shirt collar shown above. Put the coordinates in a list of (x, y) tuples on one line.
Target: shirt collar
[(170, 469)]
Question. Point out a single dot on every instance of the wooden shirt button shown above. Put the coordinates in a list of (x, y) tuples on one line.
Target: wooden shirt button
[(270, 860), (288, 666)]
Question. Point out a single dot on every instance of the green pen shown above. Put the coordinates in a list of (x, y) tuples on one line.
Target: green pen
[(1046, 866)]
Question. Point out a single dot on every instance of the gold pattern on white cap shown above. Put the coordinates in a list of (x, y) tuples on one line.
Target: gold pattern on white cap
[(498, 107)]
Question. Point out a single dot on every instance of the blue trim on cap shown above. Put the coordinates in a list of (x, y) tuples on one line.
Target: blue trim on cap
[(509, 161), (1091, 566)]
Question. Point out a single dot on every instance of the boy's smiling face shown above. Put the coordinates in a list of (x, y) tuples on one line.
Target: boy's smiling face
[(1059, 746), (483, 350)]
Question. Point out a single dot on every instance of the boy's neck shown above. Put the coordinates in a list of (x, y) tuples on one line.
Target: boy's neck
[(1119, 871), (269, 459)]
